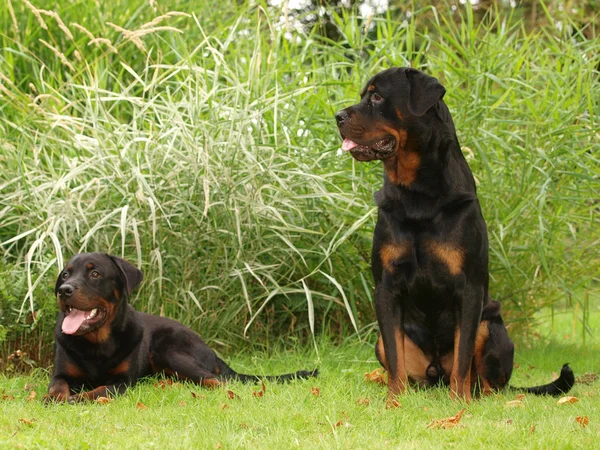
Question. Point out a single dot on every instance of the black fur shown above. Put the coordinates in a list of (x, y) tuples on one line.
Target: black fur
[(430, 245), (119, 345)]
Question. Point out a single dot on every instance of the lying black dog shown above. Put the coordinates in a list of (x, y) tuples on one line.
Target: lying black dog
[(430, 246), (103, 345)]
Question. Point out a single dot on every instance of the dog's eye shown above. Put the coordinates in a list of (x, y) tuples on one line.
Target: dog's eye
[(65, 275), (376, 98), (94, 274)]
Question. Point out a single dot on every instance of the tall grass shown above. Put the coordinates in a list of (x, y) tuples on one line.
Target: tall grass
[(199, 144)]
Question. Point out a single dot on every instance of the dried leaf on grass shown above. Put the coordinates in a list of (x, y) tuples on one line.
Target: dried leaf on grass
[(140, 405), (364, 401), (532, 429), (448, 422), (232, 395), (514, 403), (582, 420), (261, 392), (166, 383), (182, 403), (376, 376), (567, 399), (587, 378), (26, 421), (104, 400), (392, 404), (198, 396), (315, 391), (31, 396)]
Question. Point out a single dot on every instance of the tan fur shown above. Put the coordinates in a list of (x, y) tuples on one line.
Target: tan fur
[(452, 256), (393, 252)]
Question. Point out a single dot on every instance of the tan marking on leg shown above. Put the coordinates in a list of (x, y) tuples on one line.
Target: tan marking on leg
[(58, 392), (483, 334), (459, 387), (380, 351), (398, 384), (452, 256), (210, 383)]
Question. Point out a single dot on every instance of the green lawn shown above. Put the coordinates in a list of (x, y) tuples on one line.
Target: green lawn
[(185, 416)]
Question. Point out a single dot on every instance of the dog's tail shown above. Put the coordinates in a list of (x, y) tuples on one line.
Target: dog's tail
[(561, 385), (227, 373)]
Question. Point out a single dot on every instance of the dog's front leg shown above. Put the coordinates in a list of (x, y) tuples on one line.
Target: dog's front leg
[(100, 391), (471, 305), (389, 316)]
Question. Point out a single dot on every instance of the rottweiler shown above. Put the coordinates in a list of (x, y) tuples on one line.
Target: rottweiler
[(430, 246), (102, 345)]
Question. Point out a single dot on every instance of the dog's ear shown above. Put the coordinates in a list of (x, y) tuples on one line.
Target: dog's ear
[(131, 275), (425, 91)]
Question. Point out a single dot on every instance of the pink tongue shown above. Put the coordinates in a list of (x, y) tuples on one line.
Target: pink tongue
[(348, 145), (73, 321)]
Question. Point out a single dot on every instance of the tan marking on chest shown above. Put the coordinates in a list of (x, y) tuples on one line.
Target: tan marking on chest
[(74, 371), (401, 168), (389, 253), (451, 255), (120, 368)]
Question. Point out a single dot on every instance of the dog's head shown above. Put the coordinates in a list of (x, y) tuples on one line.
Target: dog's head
[(392, 103), (90, 290)]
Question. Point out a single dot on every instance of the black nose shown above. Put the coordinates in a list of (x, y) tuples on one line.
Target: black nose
[(66, 290), (341, 116)]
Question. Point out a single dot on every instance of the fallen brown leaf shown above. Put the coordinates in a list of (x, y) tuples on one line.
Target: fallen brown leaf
[(28, 387), (587, 378), (140, 405), (31, 396), (198, 396), (582, 420), (364, 401), (224, 406), (514, 403), (261, 392), (26, 421), (103, 400), (532, 429), (232, 395), (520, 396), (448, 422), (567, 399), (376, 376), (8, 397), (315, 391), (392, 404), (182, 403)]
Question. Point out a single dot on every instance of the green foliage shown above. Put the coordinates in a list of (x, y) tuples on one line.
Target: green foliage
[(201, 146)]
